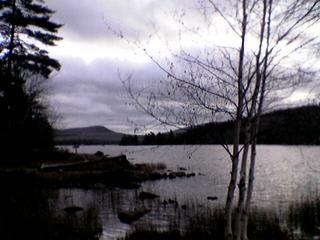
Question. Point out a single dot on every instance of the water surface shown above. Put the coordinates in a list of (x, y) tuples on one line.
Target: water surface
[(283, 175)]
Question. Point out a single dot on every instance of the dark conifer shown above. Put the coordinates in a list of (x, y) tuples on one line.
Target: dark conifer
[(25, 26)]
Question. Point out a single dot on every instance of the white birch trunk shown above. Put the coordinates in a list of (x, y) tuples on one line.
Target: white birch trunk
[(256, 123), (237, 130), (242, 184)]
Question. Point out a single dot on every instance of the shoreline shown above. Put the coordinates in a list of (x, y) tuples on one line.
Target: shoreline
[(88, 171)]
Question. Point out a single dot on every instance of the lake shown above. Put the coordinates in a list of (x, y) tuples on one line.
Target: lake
[(284, 174)]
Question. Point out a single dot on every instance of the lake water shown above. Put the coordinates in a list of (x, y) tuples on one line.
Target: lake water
[(284, 174)]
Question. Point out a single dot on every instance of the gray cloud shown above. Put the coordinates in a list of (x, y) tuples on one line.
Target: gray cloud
[(92, 93), (89, 19)]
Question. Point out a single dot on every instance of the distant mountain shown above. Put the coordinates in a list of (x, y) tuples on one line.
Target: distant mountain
[(299, 125), (87, 135)]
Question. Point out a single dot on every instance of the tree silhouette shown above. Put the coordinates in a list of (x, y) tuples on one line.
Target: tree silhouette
[(25, 25)]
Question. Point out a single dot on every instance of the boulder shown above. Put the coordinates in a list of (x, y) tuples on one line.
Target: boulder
[(72, 209), (99, 154), (180, 174), (164, 202), (155, 176), (191, 174), (147, 195), (212, 198), (132, 216), (172, 175), (171, 201)]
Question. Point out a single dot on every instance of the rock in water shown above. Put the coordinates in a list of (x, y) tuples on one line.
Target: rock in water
[(73, 209), (212, 198), (147, 195), (132, 216)]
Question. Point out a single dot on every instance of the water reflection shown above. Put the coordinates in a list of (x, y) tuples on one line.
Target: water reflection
[(29, 212), (36, 213), (110, 202)]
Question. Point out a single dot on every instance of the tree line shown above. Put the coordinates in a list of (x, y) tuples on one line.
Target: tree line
[(297, 126)]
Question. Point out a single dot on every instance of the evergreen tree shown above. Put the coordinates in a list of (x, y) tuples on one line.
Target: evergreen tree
[(25, 25)]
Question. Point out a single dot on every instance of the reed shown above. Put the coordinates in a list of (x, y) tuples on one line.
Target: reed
[(204, 223)]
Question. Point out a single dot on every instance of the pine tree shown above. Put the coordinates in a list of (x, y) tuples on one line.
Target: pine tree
[(25, 25)]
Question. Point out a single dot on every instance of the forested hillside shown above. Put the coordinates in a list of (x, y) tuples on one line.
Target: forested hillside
[(290, 126)]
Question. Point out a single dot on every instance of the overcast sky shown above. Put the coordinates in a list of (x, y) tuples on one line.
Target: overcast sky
[(87, 90)]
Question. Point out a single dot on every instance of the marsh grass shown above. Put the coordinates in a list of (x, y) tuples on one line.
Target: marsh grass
[(206, 223), (84, 225), (304, 218), (266, 225)]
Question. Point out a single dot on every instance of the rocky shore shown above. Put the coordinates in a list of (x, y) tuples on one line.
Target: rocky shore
[(89, 170)]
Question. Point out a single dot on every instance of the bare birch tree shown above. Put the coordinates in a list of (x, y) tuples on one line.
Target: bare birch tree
[(298, 19), (235, 83)]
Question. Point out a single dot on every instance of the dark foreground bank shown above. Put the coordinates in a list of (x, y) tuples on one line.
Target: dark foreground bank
[(300, 222)]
